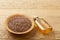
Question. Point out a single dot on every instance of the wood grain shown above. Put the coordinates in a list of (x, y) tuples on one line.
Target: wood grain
[(48, 9)]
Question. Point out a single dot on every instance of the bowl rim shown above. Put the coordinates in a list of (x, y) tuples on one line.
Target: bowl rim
[(30, 18)]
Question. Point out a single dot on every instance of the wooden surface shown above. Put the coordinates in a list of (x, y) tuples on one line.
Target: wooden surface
[(49, 9)]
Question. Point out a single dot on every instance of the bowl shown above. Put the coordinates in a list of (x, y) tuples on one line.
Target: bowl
[(7, 26)]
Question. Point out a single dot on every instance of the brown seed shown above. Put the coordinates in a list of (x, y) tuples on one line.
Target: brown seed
[(19, 23)]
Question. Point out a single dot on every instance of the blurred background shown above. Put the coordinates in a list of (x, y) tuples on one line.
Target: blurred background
[(48, 9)]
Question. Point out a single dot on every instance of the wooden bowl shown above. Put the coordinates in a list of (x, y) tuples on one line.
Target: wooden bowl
[(30, 18)]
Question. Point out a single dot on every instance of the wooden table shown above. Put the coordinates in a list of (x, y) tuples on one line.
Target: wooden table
[(48, 9)]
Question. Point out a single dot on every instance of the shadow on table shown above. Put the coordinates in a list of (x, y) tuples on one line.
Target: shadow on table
[(31, 35), (50, 36), (23, 36)]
